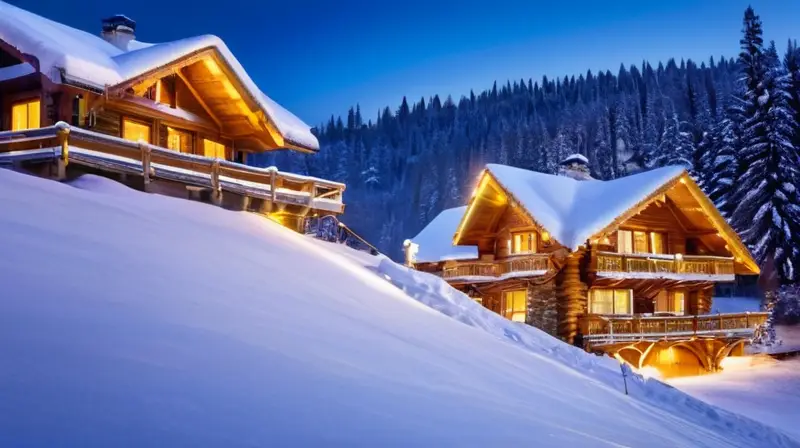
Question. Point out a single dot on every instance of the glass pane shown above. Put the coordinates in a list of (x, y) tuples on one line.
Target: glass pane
[(640, 242), (33, 115), (622, 301), (657, 243), (516, 305), (25, 116), (134, 131), (517, 243), (601, 301), (624, 242), (213, 149), (678, 302)]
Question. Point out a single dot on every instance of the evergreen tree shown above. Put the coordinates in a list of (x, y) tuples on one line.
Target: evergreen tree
[(766, 211)]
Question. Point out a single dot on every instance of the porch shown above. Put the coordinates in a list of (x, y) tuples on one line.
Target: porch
[(265, 190), (487, 271), (674, 267)]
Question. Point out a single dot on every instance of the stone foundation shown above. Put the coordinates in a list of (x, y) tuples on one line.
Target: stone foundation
[(543, 308)]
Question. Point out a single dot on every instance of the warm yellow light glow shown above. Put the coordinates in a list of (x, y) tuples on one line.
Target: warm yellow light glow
[(230, 90), (679, 257), (212, 67), (730, 363), (649, 372), (178, 140), (545, 236), (135, 131), (213, 149), (26, 115), (481, 186), (683, 180)]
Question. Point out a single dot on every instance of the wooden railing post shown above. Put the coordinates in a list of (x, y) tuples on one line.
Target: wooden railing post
[(63, 139), (747, 319), (216, 193), (144, 148)]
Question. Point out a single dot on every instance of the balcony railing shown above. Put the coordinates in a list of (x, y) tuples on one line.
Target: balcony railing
[(536, 264), (664, 265), (610, 329), (67, 144)]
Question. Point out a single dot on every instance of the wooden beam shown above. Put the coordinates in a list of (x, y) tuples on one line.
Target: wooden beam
[(196, 94)]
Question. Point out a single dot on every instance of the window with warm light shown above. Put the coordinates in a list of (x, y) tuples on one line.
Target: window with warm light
[(640, 242), (625, 242), (213, 149), (178, 140), (611, 301), (515, 304), (523, 243), (135, 131), (678, 302), (657, 243), (26, 115)]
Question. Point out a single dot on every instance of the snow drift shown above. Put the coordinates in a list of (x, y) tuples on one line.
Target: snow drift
[(130, 319)]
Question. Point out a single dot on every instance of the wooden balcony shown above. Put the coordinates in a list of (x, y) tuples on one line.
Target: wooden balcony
[(63, 144), (474, 270), (694, 267), (601, 329)]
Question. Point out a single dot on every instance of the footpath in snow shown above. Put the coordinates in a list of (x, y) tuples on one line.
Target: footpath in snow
[(129, 319)]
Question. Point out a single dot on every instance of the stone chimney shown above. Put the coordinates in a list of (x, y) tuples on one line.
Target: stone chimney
[(119, 31), (575, 166)]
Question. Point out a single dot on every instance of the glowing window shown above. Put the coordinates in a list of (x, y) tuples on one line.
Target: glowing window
[(135, 131), (610, 301), (213, 149), (178, 140), (678, 302), (26, 115), (516, 305), (640, 242), (657, 243), (625, 242), (524, 242)]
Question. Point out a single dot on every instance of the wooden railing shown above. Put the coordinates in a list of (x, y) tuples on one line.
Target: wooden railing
[(534, 263), (664, 264), (623, 328), (67, 144)]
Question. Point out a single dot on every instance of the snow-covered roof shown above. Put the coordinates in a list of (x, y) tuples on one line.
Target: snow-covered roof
[(572, 210), (435, 241), (66, 54)]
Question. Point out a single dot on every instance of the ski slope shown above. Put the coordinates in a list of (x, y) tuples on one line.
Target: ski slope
[(129, 319)]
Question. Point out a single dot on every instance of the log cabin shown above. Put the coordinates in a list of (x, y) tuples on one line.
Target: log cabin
[(624, 267), (179, 118)]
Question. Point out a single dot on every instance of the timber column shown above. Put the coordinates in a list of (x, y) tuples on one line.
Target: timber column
[(571, 293)]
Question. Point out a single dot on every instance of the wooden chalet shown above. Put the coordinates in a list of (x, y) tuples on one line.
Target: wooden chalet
[(625, 267), (178, 118)]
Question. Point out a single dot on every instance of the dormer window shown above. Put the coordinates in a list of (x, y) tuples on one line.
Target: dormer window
[(640, 242), (523, 242)]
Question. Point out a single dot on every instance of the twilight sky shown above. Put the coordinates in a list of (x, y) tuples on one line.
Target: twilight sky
[(318, 58)]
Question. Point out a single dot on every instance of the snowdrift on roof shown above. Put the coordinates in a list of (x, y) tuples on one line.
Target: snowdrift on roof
[(572, 210), (88, 59), (436, 239)]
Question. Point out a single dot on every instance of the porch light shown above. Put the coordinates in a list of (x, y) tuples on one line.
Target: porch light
[(545, 236), (683, 180), (679, 257)]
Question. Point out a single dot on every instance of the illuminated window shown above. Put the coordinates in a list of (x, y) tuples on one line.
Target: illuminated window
[(640, 242), (178, 140), (135, 131), (515, 305), (213, 149), (611, 301), (523, 243), (657, 243), (26, 115), (678, 302), (625, 242), (79, 110)]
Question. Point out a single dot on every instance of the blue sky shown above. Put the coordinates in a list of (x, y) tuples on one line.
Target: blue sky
[(317, 58)]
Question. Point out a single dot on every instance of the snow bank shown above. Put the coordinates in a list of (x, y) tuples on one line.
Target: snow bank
[(139, 320)]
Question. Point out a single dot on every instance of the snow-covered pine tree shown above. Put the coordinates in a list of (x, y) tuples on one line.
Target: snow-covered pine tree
[(724, 165), (766, 211), (603, 150), (791, 62), (676, 147)]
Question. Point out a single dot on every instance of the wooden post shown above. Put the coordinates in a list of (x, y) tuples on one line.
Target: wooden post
[(272, 174), (216, 188), (570, 297), (144, 149), (63, 139)]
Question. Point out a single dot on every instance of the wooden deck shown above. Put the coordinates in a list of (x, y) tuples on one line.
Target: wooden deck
[(668, 266), (474, 270), (63, 144), (599, 329)]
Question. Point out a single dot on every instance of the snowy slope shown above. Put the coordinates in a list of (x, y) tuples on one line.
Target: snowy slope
[(129, 319)]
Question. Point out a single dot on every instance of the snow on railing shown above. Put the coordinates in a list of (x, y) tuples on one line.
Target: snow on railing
[(533, 264), (608, 329), (658, 264), (108, 152)]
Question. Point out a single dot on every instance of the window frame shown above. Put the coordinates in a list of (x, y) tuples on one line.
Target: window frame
[(181, 133), (533, 242), (140, 123), (27, 102), (511, 313), (629, 236), (614, 292)]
